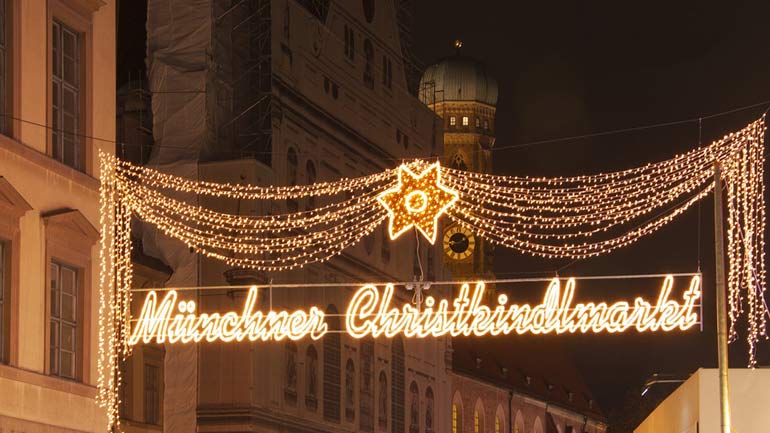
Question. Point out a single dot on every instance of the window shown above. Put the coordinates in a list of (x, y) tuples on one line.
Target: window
[(397, 377), (382, 412), (486, 124), (350, 391), (4, 322), (151, 394), (497, 425), (414, 408), (366, 403), (67, 147), (455, 419), (385, 246), (369, 66), (64, 325), (452, 121), (311, 178), (332, 360), (387, 72), (476, 421), (429, 410), (368, 10), (478, 122), (292, 165), (5, 70), (465, 120), (458, 162), (311, 363), (350, 43), (290, 390)]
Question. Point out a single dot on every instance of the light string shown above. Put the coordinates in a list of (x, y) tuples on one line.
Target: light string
[(561, 217)]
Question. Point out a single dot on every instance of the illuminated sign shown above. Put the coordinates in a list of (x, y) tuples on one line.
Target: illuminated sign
[(371, 313)]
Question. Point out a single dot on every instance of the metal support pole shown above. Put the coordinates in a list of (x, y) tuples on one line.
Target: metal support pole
[(721, 298)]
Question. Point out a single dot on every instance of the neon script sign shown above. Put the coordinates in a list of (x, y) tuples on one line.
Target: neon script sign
[(371, 313)]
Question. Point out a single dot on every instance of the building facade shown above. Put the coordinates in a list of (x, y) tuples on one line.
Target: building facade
[(292, 92), (57, 92)]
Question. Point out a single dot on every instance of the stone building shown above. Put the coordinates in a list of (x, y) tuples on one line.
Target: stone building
[(292, 92), (57, 93)]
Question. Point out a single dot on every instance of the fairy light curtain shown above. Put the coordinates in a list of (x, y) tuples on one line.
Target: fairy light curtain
[(564, 217)]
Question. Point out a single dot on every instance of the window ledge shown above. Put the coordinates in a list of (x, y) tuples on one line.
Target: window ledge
[(47, 163), (44, 381), (85, 6)]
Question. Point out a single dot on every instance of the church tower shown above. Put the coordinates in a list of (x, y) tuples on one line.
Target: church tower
[(460, 91)]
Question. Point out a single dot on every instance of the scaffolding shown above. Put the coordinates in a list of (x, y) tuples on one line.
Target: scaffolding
[(242, 80)]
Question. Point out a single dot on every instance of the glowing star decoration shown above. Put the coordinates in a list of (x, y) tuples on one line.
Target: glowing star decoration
[(418, 200)]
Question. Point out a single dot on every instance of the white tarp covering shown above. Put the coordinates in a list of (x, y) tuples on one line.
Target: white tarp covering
[(178, 45)]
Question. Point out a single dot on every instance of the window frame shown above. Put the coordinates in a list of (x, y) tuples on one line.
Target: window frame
[(69, 238), (465, 121), (5, 299), (12, 207), (58, 318), (452, 121), (78, 19), (158, 391), (7, 74)]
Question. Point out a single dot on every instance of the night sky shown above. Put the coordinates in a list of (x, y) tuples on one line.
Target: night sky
[(572, 68), (578, 67)]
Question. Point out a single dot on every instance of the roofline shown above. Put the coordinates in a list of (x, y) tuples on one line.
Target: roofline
[(515, 390)]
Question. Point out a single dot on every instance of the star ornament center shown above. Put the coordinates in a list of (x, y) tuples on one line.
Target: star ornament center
[(417, 200)]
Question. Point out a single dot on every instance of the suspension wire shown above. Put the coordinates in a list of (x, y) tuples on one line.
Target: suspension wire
[(433, 283), (698, 227), (513, 146)]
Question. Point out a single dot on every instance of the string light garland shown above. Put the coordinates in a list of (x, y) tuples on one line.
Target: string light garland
[(561, 217)]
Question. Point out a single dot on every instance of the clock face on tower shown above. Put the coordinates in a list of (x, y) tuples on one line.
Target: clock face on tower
[(458, 243)]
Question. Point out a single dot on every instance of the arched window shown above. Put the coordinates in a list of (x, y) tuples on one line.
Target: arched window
[(350, 391), (311, 178), (332, 361), (478, 122), (369, 66), (518, 423), (414, 408), (452, 120), (429, 410), (465, 121), (500, 420), (382, 402), (397, 377), (457, 414), (311, 365), (478, 417), (290, 391), (366, 402), (458, 162)]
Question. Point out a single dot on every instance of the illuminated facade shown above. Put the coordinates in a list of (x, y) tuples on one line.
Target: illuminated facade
[(317, 91), (57, 90)]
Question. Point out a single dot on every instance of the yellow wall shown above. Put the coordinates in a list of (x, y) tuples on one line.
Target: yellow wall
[(31, 400)]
